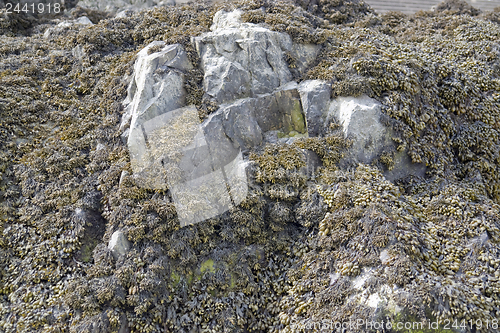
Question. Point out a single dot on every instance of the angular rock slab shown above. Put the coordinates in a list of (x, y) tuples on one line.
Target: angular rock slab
[(315, 99), (157, 87), (157, 82), (246, 121), (169, 148), (243, 59), (360, 120)]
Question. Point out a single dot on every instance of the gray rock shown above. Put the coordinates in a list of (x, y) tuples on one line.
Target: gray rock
[(118, 244), (78, 52), (240, 124), (304, 56), (246, 73), (59, 28), (360, 120), (83, 20), (222, 149), (403, 166), (315, 98), (154, 75), (244, 60), (157, 87), (246, 121)]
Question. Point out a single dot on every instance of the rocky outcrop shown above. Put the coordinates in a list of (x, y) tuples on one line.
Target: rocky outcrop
[(157, 84), (315, 99), (360, 120), (246, 120), (244, 60), (168, 147), (246, 74), (157, 87)]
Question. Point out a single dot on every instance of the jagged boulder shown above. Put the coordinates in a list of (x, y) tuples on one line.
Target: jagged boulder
[(360, 120), (243, 59), (157, 84), (315, 100), (246, 120), (157, 87)]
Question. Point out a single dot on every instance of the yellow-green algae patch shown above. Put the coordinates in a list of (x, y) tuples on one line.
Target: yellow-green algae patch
[(207, 265), (298, 121)]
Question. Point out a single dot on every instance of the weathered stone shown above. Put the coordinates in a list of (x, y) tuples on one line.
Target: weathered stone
[(78, 52), (315, 98), (240, 124), (157, 87), (244, 60), (59, 28), (360, 120), (124, 13), (246, 120), (118, 244), (157, 83), (222, 148), (246, 73)]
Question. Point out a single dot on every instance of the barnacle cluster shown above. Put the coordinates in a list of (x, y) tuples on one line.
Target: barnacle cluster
[(304, 240)]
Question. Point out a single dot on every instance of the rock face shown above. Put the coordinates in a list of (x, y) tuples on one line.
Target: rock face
[(118, 244), (315, 98), (360, 120), (246, 120), (245, 72), (244, 60), (157, 87), (168, 146)]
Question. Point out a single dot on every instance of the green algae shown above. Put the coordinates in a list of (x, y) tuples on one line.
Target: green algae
[(298, 120), (207, 265)]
